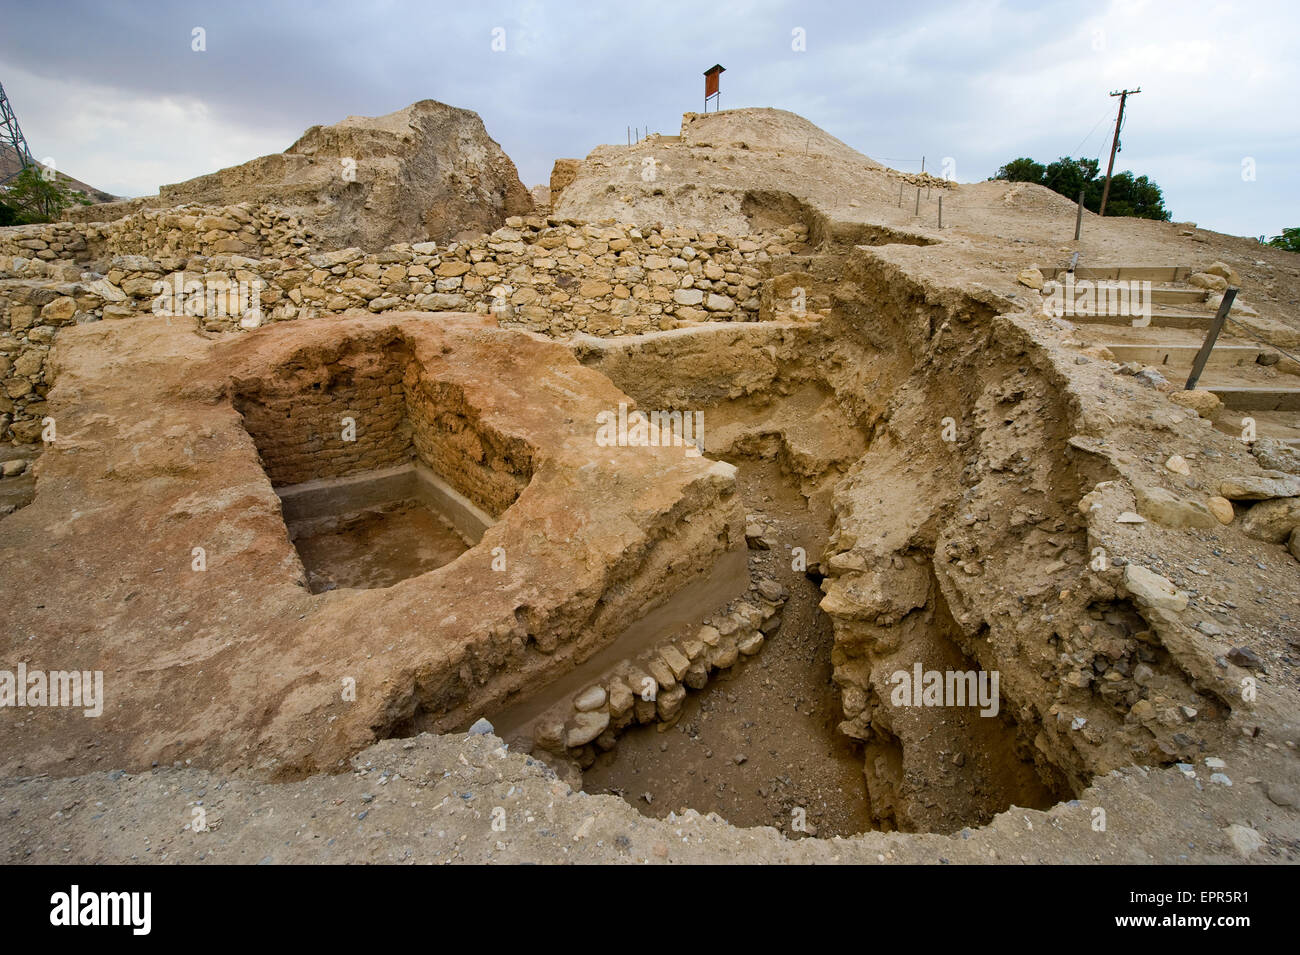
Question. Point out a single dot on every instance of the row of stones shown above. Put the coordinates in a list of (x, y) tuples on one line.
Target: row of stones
[(170, 236), (653, 686)]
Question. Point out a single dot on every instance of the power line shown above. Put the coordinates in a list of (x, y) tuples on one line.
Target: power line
[(1103, 118)]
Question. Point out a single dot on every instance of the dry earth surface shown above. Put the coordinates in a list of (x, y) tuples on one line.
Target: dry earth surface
[(906, 461)]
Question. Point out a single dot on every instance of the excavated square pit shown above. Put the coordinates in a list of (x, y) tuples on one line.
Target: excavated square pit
[(354, 446), (380, 527)]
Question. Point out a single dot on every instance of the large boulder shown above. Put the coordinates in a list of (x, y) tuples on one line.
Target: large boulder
[(429, 171)]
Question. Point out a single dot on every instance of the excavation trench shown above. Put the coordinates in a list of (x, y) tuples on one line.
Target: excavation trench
[(834, 427), (769, 667), (758, 744)]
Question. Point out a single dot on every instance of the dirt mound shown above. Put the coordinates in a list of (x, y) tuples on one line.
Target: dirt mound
[(708, 176), (768, 130), (429, 171)]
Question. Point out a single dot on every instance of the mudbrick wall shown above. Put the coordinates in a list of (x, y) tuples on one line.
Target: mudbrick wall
[(239, 267), (368, 406), (298, 419)]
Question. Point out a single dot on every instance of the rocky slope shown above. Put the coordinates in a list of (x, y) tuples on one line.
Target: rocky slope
[(426, 172)]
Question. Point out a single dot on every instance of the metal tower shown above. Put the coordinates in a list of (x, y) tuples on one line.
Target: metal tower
[(11, 135)]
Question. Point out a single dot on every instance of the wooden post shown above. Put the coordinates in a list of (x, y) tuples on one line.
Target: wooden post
[(1216, 325), (918, 201), (941, 212), (1114, 146), (900, 195), (1078, 218)]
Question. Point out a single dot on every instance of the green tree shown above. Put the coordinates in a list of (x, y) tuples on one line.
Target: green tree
[(1022, 170), (1137, 197), (35, 195), (1289, 240)]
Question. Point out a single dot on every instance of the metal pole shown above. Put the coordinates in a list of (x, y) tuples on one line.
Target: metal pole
[(1216, 325), (923, 164), (1078, 218), (941, 212), (918, 201), (900, 195)]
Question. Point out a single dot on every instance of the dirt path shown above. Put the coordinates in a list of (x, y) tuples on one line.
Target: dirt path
[(759, 741)]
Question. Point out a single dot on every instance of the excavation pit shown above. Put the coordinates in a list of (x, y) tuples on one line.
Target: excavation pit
[(377, 528), (261, 461), (807, 735)]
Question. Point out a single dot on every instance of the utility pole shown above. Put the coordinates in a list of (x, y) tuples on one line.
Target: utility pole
[(1114, 146)]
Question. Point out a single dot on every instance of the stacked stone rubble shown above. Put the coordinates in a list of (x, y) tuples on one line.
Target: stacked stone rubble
[(652, 687)]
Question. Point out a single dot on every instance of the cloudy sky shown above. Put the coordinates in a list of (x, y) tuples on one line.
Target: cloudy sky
[(114, 92)]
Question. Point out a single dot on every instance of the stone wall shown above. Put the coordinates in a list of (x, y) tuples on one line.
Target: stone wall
[(545, 274), (168, 236)]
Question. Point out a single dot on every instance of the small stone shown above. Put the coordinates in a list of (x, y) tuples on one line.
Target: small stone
[(1221, 508), (1170, 510), (592, 698), (1030, 277), (709, 636), (1221, 779), (620, 697), (1272, 521), (481, 727), (669, 702), (1152, 590), (751, 644), (1244, 839), (582, 728), (1245, 657), (1261, 488), (1178, 464), (1281, 794), (1129, 517), (1204, 403), (548, 733), (1215, 283), (676, 660)]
